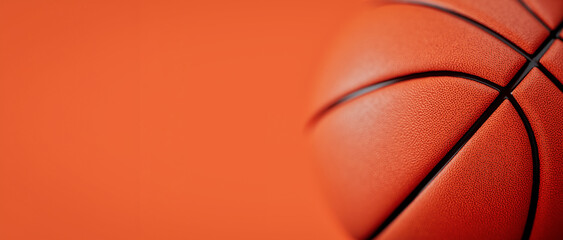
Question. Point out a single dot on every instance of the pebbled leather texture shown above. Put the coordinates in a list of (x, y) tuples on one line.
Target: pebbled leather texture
[(399, 39), (372, 146), (471, 147), (506, 17), (549, 11), (488, 183), (543, 103), (553, 59)]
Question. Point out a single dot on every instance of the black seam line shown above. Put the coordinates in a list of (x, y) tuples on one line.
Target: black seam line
[(535, 62), (532, 61), (441, 164), (375, 86), (558, 30), (476, 24), (520, 75), (534, 58), (535, 168), (534, 14), (542, 49), (554, 36), (503, 94), (550, 76)]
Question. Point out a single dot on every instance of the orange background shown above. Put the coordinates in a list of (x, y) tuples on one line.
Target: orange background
[(160, 119)]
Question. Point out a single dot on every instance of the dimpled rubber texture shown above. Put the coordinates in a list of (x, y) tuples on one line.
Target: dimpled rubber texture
[(441, 119)]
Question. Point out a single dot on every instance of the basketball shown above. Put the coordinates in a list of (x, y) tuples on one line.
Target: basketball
[(443, 119)]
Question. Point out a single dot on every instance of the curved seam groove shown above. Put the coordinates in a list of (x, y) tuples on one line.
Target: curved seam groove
[(532, 60), (441, 165), (529, 10), (554, 36), (474, 23), (535, 168), (551, 77), (558, 30), (375, 86), (505, 92)]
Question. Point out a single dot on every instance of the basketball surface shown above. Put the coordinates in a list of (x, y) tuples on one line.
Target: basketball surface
[(444, 119)]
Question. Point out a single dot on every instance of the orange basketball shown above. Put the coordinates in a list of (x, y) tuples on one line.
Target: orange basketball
[(443, 119)]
